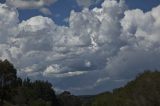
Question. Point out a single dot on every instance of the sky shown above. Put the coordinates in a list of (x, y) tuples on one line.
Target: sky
[(82, 46)]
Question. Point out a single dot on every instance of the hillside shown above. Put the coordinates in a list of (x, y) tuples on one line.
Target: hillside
[(143, 91)]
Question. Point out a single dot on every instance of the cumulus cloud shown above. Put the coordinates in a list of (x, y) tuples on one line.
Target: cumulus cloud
[(8, 19), (101, 48)]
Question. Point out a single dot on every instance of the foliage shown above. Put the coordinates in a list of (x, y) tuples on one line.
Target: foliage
[(7, 80), (143, 91), (66, 99), (23, 92)]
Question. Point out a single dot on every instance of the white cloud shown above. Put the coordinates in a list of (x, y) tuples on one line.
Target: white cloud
[(29, 3), (84, 2), (88, 63), (8, 20), (45, 11), (101, 80), (60, 72), (54, 69), (87, 3), (107, 42), (69, 74)]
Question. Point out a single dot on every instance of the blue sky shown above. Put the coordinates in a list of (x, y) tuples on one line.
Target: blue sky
[(98, 50), (62, 9)]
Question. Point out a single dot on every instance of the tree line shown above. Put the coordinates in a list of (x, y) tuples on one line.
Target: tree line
[(25, 92)]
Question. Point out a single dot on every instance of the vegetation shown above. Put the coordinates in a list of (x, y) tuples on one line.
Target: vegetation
[(143, 91), (7, 80), (15, 91)]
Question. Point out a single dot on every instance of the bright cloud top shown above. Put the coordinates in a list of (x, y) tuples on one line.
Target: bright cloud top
[(101, 49)]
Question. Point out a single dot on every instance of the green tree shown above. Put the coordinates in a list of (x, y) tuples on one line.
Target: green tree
[(143, 91), (43, 90), (40, 102), (7, 79)]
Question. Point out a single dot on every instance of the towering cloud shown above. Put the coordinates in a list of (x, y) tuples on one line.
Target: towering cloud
[(100, 49)]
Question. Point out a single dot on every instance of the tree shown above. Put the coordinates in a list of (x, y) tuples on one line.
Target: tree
[(43, 90), (24, 92), (7, 79)]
